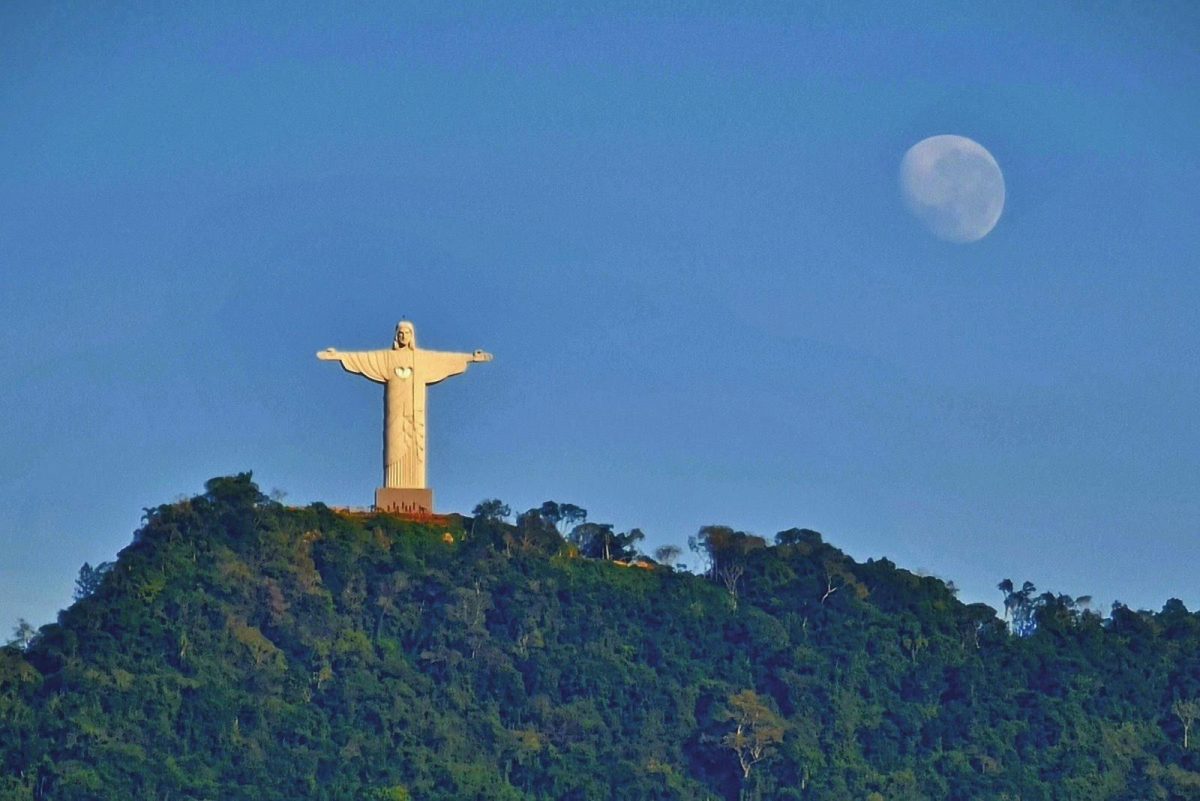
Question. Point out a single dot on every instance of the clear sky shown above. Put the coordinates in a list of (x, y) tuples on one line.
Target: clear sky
[(677, 227)]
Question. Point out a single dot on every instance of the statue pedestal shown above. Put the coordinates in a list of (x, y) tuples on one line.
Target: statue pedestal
[(404, 501)]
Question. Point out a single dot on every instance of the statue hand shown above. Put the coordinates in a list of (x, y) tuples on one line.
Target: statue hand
[(327, 354), (481, 356)]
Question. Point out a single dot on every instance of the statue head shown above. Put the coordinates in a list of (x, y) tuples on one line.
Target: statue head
[(406, 335)]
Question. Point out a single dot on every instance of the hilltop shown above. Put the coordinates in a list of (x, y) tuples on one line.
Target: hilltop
[(240, 649)]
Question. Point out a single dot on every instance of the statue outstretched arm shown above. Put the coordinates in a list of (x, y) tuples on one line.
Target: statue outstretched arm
[(371, 364), (438, 366)]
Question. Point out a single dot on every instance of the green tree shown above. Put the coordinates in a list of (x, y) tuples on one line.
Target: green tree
[(594, 540), (599, 541), (799, 536), (1021, 606), (668, 554), (89, 579), (1188, 711), (492, 509), (570, 516), (562, 515), (23, 635), (757, 730), (722, 547)]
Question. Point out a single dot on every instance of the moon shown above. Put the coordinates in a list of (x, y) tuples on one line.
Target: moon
[(953, 186)]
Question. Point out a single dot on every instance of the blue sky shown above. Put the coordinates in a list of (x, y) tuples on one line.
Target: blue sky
[(678, 229)]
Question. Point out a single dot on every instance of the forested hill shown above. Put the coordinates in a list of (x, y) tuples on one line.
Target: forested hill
[(239, 649)]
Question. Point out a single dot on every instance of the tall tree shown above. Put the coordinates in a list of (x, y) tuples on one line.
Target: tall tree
[(89, 579), (730, 574), (492, 509), (1188, 711), (23, 634), (599, 541), (551, 512), (723, 548), (799, 536), (570, 516), (1021, 606), (668, 554), (757, 731), (594, 540), (536, 532), (489, 510), (627, 544), (1006, 590)]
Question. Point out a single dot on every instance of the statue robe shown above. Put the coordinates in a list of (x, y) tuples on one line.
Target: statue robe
[(405, 372)]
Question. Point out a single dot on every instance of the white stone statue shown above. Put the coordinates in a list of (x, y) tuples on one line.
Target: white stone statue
[(405, 370)]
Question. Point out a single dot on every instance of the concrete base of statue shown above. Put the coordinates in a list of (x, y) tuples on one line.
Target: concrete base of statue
[(404, 501)]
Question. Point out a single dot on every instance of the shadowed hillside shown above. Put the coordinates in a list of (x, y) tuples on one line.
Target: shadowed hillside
[(239, 649)]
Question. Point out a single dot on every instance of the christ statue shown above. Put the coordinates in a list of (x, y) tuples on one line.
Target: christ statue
[(405, 371)]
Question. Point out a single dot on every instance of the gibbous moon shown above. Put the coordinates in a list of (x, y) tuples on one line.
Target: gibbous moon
[(953, 186)]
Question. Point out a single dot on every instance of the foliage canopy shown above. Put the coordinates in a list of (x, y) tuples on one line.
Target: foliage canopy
[(239, 649)]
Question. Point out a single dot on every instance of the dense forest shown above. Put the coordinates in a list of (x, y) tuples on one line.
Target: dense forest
[(242, 649)]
